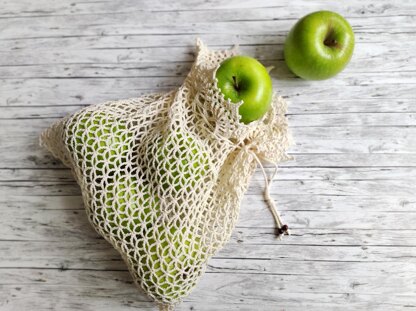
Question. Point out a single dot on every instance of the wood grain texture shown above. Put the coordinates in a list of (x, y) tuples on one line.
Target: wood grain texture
[(349, 195)]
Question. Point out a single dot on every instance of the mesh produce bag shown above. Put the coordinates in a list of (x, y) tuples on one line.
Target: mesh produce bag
[(162, 176)]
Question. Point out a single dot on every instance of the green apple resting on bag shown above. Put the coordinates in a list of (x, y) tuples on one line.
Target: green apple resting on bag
[(242, 78)]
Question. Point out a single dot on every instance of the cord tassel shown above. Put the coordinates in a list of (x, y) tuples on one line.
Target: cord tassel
[(281, 229)]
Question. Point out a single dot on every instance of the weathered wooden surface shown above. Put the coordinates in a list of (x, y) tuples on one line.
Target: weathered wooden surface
[(349, 196)]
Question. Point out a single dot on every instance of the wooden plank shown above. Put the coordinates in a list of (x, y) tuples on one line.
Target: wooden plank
[(51, 114), (215, 40), (46, 224), (286, 202), (395, 188), (45, 92), (20, 148), (342, 160), (179, 22), (284, 173), (267, 47), (39, 158), (56, 217), (268, 54), (174, 69), (89, 254), (286, 8), (366, 112), (308, 139), (285, 283), (91, 289), (372, 139)]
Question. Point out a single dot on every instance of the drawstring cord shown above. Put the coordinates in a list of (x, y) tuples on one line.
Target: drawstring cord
[(281, 229)]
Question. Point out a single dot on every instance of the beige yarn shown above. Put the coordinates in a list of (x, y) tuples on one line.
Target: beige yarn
[(162, 176)]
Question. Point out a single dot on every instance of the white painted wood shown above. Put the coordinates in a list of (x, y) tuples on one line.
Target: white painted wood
[(89, 290), (349, 195)]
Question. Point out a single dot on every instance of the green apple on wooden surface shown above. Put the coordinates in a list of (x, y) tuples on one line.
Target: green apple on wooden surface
[(242, 78), (319, 45)]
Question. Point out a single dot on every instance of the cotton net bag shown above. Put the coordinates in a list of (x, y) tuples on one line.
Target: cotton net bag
[(162, 176)]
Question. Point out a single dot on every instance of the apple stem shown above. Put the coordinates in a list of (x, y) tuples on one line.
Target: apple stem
[(269, 68), (235, 82), (330, 42)]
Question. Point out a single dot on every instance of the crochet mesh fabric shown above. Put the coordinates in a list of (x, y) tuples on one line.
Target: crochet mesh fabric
[(162, 176)]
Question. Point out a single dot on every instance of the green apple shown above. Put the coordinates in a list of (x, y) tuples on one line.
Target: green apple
[(319, 46), (168, 257), (242, 78), (128, 208), (100, 142), (180, 161)]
